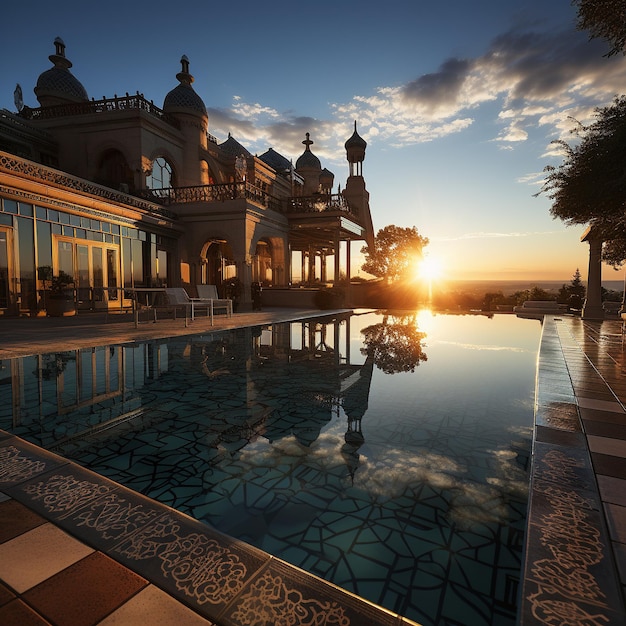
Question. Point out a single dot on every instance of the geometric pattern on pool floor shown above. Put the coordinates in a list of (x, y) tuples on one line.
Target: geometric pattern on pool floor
[(273, 453)]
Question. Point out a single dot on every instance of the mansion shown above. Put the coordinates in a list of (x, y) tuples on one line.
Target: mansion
[(118, 195)]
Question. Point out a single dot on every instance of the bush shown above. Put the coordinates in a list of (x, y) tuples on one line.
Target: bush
[(332, 298)]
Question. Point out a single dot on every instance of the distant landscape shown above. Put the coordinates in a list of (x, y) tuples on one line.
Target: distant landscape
[(508, 287)]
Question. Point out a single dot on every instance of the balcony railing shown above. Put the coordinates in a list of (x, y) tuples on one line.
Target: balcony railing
[(232, 191), (117, 103), (208, 193), (319, 203)]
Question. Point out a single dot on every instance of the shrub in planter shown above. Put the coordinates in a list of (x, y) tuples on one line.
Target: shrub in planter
[(60, 299), (332, 298)]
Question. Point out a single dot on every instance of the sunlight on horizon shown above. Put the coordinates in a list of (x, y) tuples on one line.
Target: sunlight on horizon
[(429, 269)]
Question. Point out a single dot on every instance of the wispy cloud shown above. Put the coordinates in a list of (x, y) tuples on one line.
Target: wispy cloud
[(488, 235), (538, 81)]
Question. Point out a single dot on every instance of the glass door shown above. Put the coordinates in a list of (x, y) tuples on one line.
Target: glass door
[(5, 269), (83, 283), (95, 268)]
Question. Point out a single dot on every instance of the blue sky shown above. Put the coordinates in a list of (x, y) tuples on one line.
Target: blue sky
[(458, 101)]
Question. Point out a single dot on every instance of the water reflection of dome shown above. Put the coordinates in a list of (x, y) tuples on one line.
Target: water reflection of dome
[(350, 450), (355, 397)]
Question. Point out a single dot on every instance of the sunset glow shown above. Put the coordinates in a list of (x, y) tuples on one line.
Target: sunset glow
[(429, 269)]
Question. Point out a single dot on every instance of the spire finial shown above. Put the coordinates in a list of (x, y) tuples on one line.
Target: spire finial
[(307, 142), (184, 76)]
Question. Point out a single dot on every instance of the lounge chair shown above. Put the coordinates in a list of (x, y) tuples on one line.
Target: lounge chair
[(178, 297), (209, 292)]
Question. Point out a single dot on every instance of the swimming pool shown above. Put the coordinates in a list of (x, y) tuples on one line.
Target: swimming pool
[(387, 453)]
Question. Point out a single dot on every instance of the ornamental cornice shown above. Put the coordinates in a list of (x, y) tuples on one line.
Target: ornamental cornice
[(28, 170)]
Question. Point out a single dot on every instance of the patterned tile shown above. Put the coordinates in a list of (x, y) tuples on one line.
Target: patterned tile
[(612, 489), (81, 595), (6, 595), (18, 613), (154, 607), (616, 520), (278, 595), (607, 445), (15, 519), (37, 554)]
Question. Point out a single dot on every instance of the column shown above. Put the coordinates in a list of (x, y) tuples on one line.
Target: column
[(592, 309)]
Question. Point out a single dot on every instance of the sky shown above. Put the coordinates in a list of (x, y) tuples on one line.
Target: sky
[(458, 101)]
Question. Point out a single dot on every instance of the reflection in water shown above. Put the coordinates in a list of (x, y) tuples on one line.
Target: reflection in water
[(395, 344), (288, 437)]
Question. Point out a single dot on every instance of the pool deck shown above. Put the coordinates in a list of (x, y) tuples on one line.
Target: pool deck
[(78, 549)]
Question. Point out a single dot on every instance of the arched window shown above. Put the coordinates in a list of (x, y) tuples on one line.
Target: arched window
[(162, 176), (114, 172), (206, 177)]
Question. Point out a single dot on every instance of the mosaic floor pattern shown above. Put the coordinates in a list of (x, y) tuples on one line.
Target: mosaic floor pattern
[(425, 516)]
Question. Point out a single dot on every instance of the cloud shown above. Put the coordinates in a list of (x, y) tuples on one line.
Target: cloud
[(539, 79), (538, 83), (487, 235), (437, 92)]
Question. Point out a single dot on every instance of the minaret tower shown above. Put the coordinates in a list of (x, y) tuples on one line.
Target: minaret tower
[(355, 193)]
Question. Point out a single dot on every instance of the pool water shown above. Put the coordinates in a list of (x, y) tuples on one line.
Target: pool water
[(385, 452)]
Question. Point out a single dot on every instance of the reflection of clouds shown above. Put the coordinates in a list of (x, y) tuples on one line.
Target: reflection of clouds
[(323, 451), (401, 474), (391, 477), (488, 348), (469, 502)]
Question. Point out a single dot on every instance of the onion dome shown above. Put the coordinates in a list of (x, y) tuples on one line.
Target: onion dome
[(58, 85), (355, 147), (308, 159), (327, 179), (276, 160), (233, 148), (183, 98)]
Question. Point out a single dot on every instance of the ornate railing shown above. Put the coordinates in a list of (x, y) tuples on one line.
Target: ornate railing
[(210, 193), (117, 103), (233, 191), (318, 204)]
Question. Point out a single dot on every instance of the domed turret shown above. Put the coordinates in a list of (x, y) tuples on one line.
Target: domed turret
[(183, 98), (355, 151), (308, 159), (58, 85), (327, 179)]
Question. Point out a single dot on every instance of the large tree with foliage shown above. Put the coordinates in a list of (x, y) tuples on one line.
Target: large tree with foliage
[(395, 254), (589, 187), (604, 19)]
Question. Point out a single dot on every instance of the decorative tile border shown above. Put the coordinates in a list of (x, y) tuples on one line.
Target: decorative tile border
[(223, 579), (569, 576)]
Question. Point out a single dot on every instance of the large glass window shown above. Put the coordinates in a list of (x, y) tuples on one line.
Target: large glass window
[(26, 243), (4, 269)]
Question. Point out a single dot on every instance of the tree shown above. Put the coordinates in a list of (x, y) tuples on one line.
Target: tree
[(395, 346), (604, 19), (589, 187), (574, 293), (396, 252)]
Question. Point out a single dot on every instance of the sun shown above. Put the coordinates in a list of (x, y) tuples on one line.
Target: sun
[(429, 269)]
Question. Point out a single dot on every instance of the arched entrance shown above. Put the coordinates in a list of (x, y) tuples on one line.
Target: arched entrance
[(218, 263), (262, 268)]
